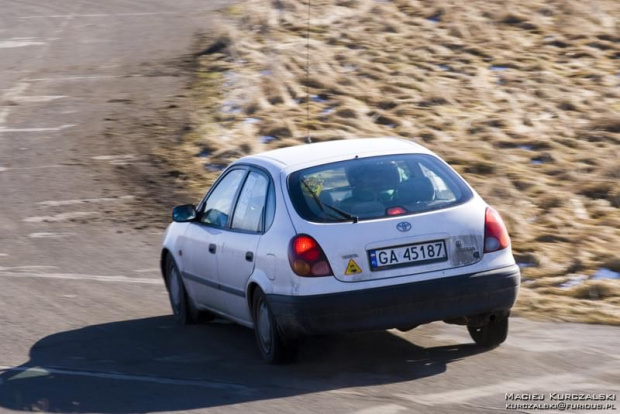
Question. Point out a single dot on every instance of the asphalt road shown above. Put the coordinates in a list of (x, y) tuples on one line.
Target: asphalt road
[(84, 318)]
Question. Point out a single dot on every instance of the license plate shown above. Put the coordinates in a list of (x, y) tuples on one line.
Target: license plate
[(408, 255)]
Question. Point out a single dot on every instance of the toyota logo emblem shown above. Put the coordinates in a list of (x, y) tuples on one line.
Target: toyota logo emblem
[(403, 226)]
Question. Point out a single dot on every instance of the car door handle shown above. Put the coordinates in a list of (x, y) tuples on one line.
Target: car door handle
[(249, 256), (212, 248)]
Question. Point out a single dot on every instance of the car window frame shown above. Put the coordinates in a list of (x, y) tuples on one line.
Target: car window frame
[(459, 181), (270, 193), (203, 203)]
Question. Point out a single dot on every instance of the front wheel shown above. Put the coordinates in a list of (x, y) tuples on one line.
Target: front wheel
[(272, 346), (185, 313), (492, 334)]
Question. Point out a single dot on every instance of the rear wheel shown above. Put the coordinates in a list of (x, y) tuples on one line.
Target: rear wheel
[(273, 347), (185, 313), (492, 334)]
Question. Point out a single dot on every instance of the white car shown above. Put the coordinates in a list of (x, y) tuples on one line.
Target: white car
[(351, 235)]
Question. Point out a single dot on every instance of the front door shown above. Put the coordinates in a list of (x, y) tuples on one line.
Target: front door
[(202, 242)]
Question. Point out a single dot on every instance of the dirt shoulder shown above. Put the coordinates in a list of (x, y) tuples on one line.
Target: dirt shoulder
[(520, 99)]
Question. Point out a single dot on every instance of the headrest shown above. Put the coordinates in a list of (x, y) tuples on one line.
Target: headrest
[(416, 189), (384, 175)]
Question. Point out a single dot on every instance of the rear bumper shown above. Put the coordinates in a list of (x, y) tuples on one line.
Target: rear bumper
[(398, 306)]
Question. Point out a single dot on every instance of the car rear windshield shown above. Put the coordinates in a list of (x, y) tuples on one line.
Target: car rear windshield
[(375, 187)]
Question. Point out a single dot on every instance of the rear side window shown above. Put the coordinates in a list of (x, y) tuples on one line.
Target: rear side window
[(270, 208), (251, 205), (375, 187)]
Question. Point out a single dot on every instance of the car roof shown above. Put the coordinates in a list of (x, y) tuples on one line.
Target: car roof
[(298, 156)]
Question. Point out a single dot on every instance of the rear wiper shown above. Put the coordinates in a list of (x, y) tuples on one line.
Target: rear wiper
[(344, 214), (322, 204)]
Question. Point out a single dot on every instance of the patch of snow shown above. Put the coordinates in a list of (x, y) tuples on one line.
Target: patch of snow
[(604, 273), (573, 281)]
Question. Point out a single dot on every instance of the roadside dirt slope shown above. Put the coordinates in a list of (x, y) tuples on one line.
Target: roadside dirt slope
[(522, 97)]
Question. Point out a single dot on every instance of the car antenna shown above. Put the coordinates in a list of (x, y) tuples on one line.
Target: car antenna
[(308, 138)]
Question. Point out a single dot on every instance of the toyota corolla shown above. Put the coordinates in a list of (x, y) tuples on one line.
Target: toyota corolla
[(351, 235)]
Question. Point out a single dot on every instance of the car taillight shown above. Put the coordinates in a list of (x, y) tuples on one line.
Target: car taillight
[(307, 258), (495, 233), (395, 211)]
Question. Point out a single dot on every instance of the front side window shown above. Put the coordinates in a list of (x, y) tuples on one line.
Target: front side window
[(219, 204), (375, 187), (250, 208)]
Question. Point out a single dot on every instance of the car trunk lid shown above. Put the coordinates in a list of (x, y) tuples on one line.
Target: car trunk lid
[(385, 248)]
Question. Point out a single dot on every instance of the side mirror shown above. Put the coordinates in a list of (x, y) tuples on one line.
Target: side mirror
[(184, 213)]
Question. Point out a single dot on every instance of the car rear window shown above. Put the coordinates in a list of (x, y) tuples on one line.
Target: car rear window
[(375, 187)]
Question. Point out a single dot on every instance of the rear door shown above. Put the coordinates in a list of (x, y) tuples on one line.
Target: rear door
[(240, 242)]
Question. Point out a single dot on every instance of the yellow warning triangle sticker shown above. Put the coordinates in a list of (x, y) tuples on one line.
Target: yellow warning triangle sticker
[(352, 268)]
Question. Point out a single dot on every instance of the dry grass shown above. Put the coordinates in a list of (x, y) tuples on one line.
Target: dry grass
[(543, 306), (522, 97)]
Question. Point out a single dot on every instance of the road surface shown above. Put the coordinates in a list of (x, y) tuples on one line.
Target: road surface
[(88, 90)]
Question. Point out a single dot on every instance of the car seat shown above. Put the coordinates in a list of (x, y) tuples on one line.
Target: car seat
[(369, 185)]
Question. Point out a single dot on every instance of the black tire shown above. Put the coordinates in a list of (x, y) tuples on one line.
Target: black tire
[(184, 311), (273, 347), (492, 334)]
